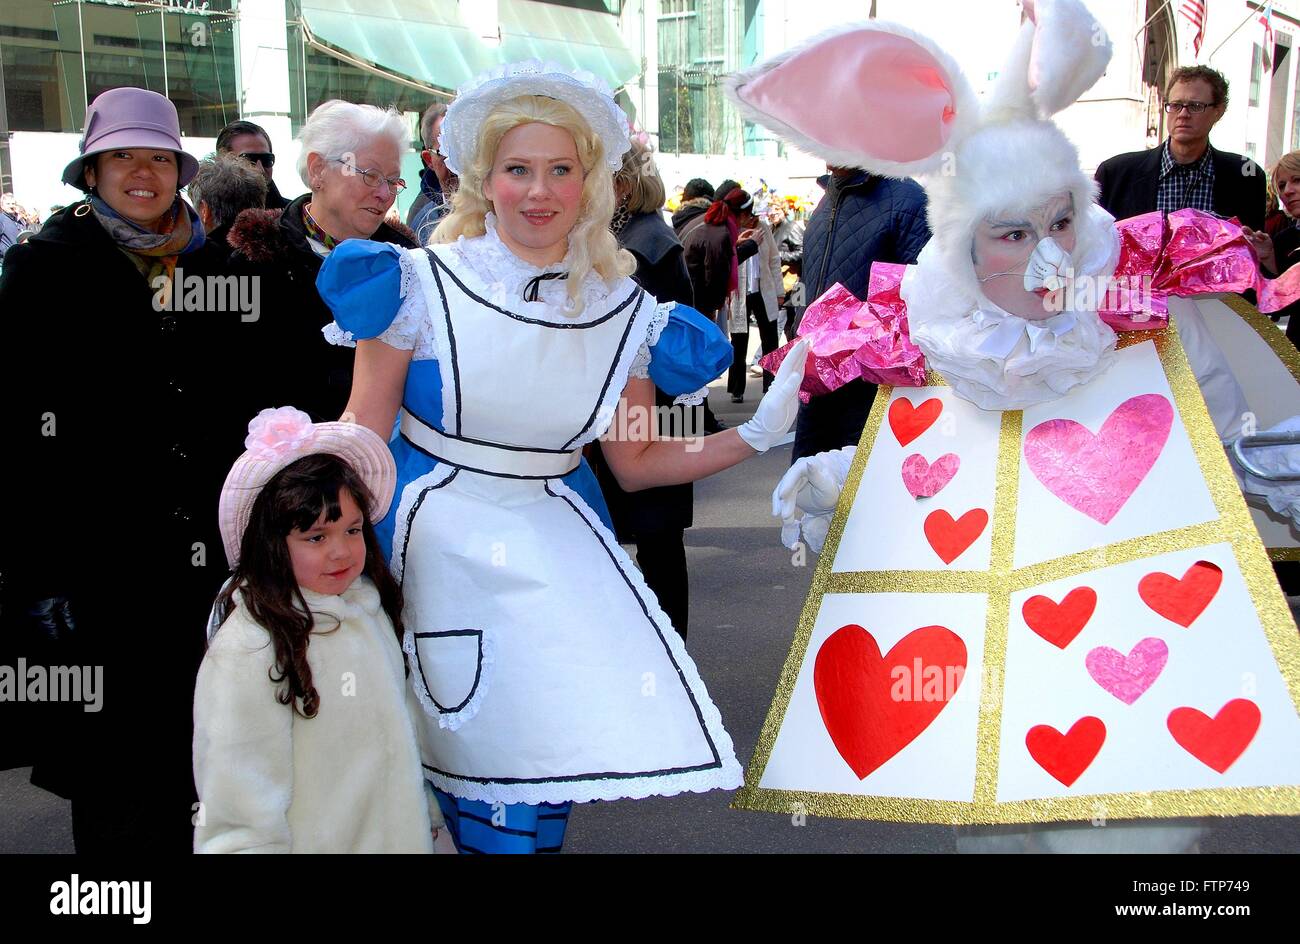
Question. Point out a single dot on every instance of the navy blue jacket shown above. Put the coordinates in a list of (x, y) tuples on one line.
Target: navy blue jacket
[(861, 220), (429, 208)]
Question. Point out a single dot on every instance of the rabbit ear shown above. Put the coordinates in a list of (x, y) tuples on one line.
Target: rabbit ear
[(871, 95), (1068, 54)]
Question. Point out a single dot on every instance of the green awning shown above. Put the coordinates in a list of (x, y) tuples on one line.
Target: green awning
[(427, 42)]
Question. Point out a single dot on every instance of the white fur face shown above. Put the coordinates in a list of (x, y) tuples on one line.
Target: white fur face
[(1021, 257)]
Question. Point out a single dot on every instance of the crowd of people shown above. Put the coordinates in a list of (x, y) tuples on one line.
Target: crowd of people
[(458, 533)]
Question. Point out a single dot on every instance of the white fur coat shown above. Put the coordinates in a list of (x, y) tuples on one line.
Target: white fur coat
[(347, 780)]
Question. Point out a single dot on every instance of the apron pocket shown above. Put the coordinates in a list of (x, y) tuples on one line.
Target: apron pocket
[(449, 672)]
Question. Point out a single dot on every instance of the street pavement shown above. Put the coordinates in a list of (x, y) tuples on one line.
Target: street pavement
[(746, 597)]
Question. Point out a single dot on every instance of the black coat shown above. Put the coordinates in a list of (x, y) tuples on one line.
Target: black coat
[(1286, 249), (1129, 183), (708, 249), (661, 271), (292, 363), (861, 220), (123, 421)]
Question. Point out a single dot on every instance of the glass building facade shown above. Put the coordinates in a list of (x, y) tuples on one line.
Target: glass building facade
[(57, 55), (699, 41)]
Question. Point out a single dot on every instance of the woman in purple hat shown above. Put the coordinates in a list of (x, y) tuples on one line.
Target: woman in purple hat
[(117, 395)]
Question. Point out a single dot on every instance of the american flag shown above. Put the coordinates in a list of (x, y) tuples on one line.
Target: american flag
[(1194, 10), (1267, 20)]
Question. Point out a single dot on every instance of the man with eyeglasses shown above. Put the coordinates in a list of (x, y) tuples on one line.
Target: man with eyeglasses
[(1185, 171), (437, 182), (252, 143)]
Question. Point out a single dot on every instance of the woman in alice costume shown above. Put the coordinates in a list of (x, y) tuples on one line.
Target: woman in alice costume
[(542, 670)]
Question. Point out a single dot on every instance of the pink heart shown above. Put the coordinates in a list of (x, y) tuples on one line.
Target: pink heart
[(925, 479), (1097, 474), (1128, 676)]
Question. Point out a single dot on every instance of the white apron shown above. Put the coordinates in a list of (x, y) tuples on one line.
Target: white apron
[(543, 667)]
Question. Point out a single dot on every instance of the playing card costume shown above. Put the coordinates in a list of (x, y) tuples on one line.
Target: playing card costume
[(1037, 502)]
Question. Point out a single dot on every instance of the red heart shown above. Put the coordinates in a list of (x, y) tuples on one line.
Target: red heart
[(1066, 756), (908, 421), (1181, 600), (1216, 742), (875, 706), (1059, 623), (950, 538)]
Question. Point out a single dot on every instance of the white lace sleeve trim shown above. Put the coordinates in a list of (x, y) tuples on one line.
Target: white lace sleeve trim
[(658, 321), (692, 399), (337, 336), (410, 330)]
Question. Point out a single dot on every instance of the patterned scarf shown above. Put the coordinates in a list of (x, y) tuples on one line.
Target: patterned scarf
[(154, 252), (314, 231)]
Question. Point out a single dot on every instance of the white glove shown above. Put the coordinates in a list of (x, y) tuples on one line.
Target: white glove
[(807, 494), (780, 405)]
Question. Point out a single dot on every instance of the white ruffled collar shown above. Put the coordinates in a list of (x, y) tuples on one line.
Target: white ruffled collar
[(1004, 330), (505, 277)]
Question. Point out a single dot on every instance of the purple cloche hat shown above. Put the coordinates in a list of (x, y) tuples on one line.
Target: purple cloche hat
[(130, 118)]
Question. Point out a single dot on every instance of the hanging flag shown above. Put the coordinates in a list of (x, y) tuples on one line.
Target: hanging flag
[(1267, 19), (1194, 11)]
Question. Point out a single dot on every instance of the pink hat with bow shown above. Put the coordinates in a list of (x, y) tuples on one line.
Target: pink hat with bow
[(277, 439)]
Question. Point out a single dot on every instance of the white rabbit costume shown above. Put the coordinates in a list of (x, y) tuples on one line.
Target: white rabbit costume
[(977, 163)]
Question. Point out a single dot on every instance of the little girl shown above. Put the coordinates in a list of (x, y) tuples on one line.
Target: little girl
[(302, 741)]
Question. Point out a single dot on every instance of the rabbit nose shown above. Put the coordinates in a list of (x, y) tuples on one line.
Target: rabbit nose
[(1046, 264)]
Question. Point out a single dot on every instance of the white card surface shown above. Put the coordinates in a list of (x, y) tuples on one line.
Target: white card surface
[(1171, 495), (885, 529), (940, 763), (1222, 655)]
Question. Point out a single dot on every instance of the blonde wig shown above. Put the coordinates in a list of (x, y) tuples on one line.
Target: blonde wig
[(592, 247), (1288, 164)]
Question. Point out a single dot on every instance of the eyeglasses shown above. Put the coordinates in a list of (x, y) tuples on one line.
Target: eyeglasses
[(265, 158), (1194, 107), (372, 178)]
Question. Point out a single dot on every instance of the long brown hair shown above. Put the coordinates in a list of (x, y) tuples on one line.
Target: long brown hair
[(292, 501)]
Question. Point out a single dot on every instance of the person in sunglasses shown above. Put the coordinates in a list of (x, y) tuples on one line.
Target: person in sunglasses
[(1186, 171), (350, 158), (252, 143)]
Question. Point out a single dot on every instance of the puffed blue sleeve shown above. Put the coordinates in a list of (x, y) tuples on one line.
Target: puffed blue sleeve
[(361, 283), (691, 352)]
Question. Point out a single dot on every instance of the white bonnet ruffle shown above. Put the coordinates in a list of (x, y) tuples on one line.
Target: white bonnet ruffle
[(589, 96)]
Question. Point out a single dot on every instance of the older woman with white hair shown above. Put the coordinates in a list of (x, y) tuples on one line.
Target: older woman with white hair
[(351, 161)]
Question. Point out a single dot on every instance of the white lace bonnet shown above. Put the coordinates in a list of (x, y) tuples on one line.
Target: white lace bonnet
[(586, 93)]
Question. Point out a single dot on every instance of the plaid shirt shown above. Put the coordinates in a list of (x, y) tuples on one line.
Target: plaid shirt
[(1185, 185)]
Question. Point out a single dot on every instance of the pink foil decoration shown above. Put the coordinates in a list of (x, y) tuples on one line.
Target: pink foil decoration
[(851, 339), (1128, 676), (1097, 474), (1189, 252)]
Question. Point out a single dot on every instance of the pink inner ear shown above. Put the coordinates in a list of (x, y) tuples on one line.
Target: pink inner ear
[(870, 92)]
